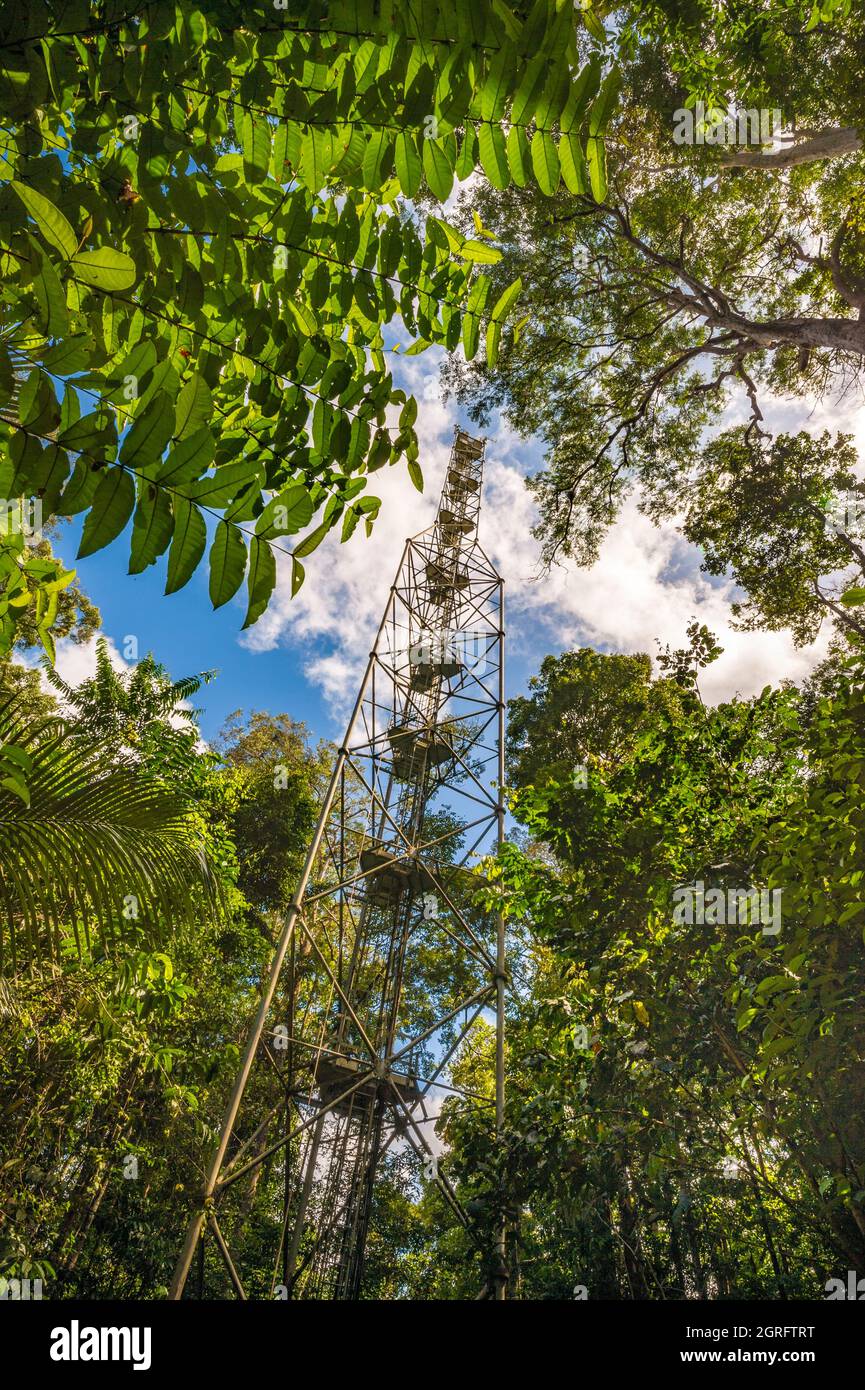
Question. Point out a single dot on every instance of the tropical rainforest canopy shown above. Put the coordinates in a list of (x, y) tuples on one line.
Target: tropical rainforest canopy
[(221, 225)]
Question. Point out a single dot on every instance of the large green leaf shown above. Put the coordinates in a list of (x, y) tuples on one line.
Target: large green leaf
[(48, 218), (188, 459), (187, 545), (316, 156), (518, 155), (227, 563), (529, 90), (261, 579), (223, 486), (111, 509), (104, 268), (378, 159), (494, 158), (145, 441), (545, 162), (582, 90), (50, 295), (506, 300), (438, 169), (194, 406), (151, 528), (605, 103), (573, 164), (287, 513), (498, 83), (408, 163), (597, 168), (255, 144), (312, 541)]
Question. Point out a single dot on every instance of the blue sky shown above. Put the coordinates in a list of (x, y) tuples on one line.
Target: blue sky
[(187, 636)]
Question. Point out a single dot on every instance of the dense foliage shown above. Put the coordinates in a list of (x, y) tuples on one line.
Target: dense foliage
[(116, 1052), (209, 216), (685, 1097)]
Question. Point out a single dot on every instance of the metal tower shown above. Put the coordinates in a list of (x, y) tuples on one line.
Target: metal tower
[(352, 1038)]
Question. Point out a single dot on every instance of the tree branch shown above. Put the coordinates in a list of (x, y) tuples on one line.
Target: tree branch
[(823, 144)]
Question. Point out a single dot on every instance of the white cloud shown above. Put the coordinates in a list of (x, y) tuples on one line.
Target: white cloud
[(646, 584), (76, 662)]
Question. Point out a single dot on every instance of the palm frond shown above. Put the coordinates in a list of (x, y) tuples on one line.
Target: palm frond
[(103, 843)]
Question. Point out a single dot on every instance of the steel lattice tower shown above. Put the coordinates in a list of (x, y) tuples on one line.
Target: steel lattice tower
[(414, 801)]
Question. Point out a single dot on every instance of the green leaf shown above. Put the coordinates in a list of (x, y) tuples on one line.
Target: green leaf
[(605, 103), (467, 158), (408, 164), (227, 563), (592, 23), (188, 459), (111, 509), (498, 83), (494, 332), (223, 486), (37, 403), (49, 219), (150, 433), (80, 489), (151, 528), (350, 520), (255, 146), (481, 252), (573, 164), (194, 406), (581, 93), (303, 317), (438, 170), (316, 157), (518, 155), (298, 574), (506, 300), (313, 540), (554, 93), (472, 317), (261, 579), (323, 419), (187, 546), (89, 434), (545, 162), (529, 90), (494, 159), (851, 598), (50, 295), (16, 784), (287, 513), (377, 160), (597, 168), (104, 268), (415, 473)]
